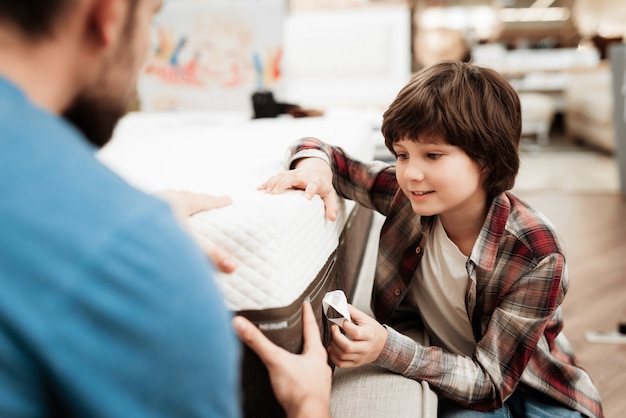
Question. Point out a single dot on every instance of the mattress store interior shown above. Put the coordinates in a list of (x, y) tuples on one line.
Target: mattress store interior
[(230, 85)]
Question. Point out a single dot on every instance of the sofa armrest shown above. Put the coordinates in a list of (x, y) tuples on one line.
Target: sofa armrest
[(372, 391)]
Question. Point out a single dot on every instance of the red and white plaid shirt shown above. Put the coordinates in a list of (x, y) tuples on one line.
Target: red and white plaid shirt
[(517, 281)]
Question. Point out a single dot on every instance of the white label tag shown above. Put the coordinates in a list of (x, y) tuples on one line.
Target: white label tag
[(335, 307)]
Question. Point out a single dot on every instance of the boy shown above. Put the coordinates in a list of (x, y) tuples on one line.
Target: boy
[(478, 268)]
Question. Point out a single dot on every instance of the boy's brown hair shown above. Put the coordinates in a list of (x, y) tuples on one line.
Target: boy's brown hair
[(471, 107)]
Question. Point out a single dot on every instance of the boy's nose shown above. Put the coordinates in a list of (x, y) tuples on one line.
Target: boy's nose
[(414, 172)]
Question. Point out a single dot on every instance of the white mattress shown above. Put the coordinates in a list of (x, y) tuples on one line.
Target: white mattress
[(278, 251), (280, 242)]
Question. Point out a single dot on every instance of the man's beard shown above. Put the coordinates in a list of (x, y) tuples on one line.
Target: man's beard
[(95, 117), (98, 108)]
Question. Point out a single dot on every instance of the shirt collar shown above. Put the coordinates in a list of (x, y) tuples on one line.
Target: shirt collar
[(8, 90), (485, 252), (12, 95)]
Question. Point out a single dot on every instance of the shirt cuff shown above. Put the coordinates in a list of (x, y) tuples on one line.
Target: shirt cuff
[(400, 352), (308, 153)]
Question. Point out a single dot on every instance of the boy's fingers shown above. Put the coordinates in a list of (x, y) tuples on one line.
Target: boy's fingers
[(351, 329), (331, 205), (330, 199), (311, 189), (356, 314), (270, 185), (339, 340)]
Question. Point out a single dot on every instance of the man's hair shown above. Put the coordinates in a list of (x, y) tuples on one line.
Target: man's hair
[(35, 18), (471, 107)]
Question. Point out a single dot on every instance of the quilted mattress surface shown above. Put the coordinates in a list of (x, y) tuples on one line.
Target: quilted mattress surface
[(280, 242)]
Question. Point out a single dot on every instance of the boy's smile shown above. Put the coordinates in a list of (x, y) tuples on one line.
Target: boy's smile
[(420, 196)]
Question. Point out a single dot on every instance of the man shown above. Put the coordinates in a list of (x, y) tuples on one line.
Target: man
[(107, 307)]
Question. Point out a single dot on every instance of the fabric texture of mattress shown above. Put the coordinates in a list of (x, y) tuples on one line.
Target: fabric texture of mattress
[(278, 252)]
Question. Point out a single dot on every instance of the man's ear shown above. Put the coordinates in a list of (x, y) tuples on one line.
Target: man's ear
[(105, 21)]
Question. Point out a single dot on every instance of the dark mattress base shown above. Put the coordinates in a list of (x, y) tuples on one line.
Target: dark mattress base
[(283, 325)]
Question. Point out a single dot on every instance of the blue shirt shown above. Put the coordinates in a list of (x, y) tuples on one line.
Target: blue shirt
[(107, 308)]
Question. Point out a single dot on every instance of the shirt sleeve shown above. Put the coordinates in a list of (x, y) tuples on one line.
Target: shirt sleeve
[(372, 185), (512, 332), (310, 153)]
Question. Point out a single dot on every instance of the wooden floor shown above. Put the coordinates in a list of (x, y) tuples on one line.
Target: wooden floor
[(593, 227)]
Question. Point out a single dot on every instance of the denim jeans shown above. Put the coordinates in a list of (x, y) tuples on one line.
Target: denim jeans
[(519, 405)]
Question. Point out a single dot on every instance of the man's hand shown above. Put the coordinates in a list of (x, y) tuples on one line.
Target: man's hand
[(188, 203), (301, 382), (314, 176), (364, 340), (185, 204)]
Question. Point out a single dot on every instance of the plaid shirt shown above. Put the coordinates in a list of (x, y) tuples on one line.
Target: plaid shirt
[(517, 281)]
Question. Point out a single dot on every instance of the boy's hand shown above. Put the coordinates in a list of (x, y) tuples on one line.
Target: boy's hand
[(364, 340), (301, 382), (314, 176)]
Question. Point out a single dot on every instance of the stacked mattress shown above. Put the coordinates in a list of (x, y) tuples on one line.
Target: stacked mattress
[(285, 248)]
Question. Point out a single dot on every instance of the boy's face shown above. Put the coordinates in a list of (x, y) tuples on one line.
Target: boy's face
[(439, 178)]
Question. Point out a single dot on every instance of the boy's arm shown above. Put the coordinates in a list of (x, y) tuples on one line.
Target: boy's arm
[(372, 185), (511, 336)]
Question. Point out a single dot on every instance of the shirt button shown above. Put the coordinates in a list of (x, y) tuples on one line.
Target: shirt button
[(418, 250), (397, 292)]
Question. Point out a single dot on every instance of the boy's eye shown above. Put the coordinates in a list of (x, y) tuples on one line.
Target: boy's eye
[(401, 156), (433, 155)]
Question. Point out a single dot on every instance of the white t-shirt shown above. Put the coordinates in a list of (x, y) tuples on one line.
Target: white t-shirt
[(439, 290)]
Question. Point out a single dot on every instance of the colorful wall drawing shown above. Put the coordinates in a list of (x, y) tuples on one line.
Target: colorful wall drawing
[(212, 55)]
